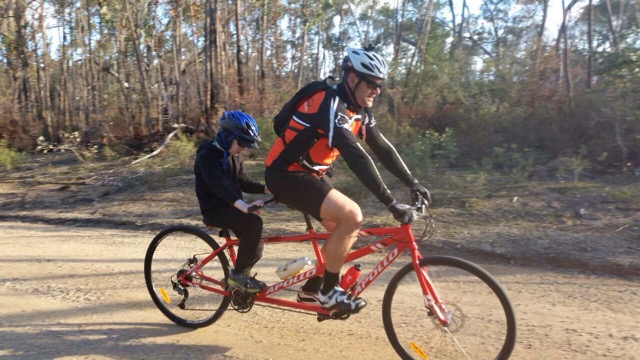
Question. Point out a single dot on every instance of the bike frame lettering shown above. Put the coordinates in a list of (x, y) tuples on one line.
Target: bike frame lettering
[(382, 265), (292, 280)]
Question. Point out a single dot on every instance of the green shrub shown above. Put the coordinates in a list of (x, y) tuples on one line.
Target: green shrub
[(574, 165), (624, 193), (9, 157), (109, 153), (180, 152), (429, 151), (510, 162), (268, 136), (174, 160)]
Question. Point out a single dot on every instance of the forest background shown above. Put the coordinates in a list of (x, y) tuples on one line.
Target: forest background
[(493, 89)]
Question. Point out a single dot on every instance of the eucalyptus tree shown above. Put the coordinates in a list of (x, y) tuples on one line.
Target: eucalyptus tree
[(43, 71), (17, 54), (614, 112)]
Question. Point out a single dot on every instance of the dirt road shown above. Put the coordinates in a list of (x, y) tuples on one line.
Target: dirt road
[(78, 293)]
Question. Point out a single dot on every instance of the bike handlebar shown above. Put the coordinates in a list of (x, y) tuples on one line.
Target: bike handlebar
[(253, 208)]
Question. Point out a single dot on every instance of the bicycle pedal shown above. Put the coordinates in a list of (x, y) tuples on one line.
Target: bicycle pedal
[(335, 315), (340, 315)]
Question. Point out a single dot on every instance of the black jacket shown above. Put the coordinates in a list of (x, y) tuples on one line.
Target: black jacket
[(215, 186)]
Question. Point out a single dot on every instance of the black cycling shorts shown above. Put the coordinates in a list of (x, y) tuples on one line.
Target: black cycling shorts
[(302, 191)]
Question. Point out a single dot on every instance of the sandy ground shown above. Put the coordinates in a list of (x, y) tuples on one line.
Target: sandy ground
[(78, 293), (73, 238)]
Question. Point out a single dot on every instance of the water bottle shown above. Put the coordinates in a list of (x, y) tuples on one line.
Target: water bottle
[(350, 276), (293, 267)]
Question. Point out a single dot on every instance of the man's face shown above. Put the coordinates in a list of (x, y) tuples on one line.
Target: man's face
[(366, 90)]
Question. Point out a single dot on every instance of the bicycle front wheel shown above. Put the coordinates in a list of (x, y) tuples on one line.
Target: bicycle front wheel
[(481, 325), (174, 252)]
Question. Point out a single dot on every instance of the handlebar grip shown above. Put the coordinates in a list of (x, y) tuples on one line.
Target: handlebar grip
[(273, 199)]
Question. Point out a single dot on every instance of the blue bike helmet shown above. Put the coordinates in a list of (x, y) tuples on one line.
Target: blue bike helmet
[(242, 126)]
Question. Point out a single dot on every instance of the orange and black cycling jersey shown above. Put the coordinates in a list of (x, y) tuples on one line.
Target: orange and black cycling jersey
[(324, 127)]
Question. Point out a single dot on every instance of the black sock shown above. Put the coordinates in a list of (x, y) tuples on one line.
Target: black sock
[(330, 281)]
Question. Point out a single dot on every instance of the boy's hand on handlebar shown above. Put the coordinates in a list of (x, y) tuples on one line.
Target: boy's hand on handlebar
[(256, 206), (247, 208), (422, 191), (402, 212), (241, 205)]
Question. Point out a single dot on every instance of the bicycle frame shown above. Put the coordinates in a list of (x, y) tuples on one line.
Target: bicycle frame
[(400, 236)]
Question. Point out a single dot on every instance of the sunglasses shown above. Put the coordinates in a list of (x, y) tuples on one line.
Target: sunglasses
[(247, 144), (372, 84)]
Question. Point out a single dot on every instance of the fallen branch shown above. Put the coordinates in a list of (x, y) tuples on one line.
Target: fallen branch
[(622, 228), (165, 143)]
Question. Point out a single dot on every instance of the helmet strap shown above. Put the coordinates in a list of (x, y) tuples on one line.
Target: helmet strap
[(352, 92)]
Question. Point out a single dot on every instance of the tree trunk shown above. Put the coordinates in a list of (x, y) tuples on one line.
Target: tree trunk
[(199, 79), (397, 42), (303, 44), (423, 36), (91, 81), (540, 38), (212, 89), (457, 28), (21, 75), (85, 81), (239, 50), (122, 76), (63, 112), (177, 56), (565, 60), (45, 88), (590, 44), (262, 30), (563, 74), (612, 30), (220, 57), (140, 65)]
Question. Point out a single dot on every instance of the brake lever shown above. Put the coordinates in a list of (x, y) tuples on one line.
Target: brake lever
[(419, 204)]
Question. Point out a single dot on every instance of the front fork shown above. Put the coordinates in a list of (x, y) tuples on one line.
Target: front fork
[(431, 298)]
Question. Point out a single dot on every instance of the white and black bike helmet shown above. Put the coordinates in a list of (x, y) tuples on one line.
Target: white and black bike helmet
[(365, 62)]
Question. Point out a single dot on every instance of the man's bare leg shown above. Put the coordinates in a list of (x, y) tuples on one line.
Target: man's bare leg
[(347, 217), (335, 198)]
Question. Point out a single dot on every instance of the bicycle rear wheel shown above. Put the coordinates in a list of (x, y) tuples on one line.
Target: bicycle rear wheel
[(482, 321), (173, 252)]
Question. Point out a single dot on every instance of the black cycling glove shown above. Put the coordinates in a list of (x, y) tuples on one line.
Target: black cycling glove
[(402, 212), (422, 191)]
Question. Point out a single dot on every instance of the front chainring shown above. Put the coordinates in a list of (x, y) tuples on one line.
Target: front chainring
[(241, 301)]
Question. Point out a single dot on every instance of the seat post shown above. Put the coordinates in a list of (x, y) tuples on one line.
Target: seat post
[(307, 219)]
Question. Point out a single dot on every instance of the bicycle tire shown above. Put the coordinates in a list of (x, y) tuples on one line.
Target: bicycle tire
[(483, 322), (167, 254)]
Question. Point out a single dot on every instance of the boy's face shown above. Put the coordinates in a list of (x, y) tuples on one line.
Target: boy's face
[(236, 148)]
